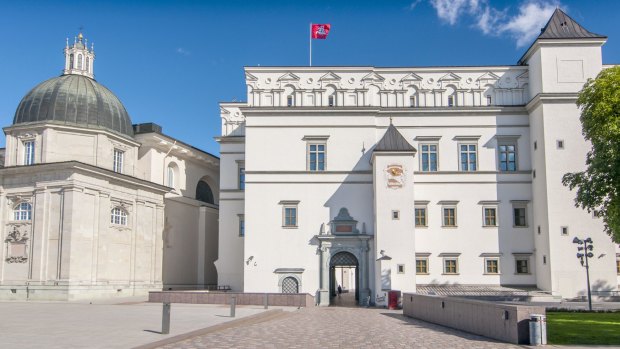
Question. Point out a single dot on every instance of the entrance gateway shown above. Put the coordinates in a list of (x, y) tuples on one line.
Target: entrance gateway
[(344, 246)]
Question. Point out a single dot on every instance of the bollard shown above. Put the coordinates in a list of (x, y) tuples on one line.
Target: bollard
[(165, 319), (266, 300), (233, 304)]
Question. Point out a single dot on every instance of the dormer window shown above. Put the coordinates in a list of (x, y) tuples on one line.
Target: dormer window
[(28, 152), (119, 155)]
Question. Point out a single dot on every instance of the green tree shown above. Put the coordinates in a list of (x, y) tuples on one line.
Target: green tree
[(598, 187)]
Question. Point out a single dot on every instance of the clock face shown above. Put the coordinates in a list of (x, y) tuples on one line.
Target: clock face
[(395, 176)]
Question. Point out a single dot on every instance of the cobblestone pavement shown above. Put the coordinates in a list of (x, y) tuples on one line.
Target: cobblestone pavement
[(339, 327)]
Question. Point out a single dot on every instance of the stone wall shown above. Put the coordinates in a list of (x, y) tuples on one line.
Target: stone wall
[(208, 297), (504, 322)]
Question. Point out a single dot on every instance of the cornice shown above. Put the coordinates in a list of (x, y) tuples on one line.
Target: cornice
[(551, 98)]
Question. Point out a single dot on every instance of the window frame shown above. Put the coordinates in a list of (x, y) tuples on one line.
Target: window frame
[(400, 268), (487, 260), (331, 100), (451, 101), (290, 205), (413, 101), (428, 153), (618, 263), (525, 259), (507, 143), (468, 152), (456, 265), (424, 259), (290, 101), (495, 210), (118, 160), (519, 205), (20, 214), (425, 216), (241, 225), (241, 175), (121, 218), (171, 180), (316, 140), (443, 216), (29, 151)]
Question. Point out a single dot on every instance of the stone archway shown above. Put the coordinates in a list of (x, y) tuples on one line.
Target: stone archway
[(343, 259)]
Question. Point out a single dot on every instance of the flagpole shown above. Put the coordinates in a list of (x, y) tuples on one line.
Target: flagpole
[(310, 38)]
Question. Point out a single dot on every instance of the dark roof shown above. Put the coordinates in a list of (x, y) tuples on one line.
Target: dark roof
[(561, 26), (74, 100), (393, 141)]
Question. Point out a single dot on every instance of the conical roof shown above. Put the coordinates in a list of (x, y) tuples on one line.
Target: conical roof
[(393, 141), (561, 26)]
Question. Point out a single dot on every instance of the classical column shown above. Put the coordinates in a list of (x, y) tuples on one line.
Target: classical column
[(324, 274)]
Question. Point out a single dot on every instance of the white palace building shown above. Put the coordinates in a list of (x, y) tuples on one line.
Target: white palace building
[(412, 178)]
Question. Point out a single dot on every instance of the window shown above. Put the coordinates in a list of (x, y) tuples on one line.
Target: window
[(118, 216), (519, 217), (538, 230), (534, 174), (564, 230), (489, 100), (87, 64), (290, 285), (449, 216), (450, 101), (289, 101), (71, 59), (28, 152), (80, 62), (490, 216), (204, 192), (535, 145), (400, 268), (421, 265), (316, 156), (395, 214), (429, 157), (290, 216), (560, 144), (522, 265), (22, 212), (331, 101), (412, 102), (468, 157), (171, 176), (491, 265), (507, 157), (242, 178), (618, 264), (241, 225), (544, 259), (451, 265), (420, 216), (118, 161)]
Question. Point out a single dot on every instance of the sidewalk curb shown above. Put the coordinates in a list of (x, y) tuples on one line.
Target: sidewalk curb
[(248, 320)]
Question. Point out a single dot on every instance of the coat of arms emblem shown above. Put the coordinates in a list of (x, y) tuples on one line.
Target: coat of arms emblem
[(395, 176)]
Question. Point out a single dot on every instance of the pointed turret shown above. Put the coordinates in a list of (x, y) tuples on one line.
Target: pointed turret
[(562, 26), (393, 141), (79, 59)]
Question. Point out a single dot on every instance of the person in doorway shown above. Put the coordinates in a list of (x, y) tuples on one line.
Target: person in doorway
[(339, 290)]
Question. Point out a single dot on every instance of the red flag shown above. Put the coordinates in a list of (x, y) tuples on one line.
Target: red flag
[(320, 31)]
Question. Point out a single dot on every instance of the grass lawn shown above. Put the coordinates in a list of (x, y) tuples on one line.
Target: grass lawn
[(583, 328)]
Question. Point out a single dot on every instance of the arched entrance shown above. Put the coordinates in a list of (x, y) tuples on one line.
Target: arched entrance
[(340, 262)]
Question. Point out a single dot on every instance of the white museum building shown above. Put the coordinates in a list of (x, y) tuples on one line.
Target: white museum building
[(412, 178), (93, 206)]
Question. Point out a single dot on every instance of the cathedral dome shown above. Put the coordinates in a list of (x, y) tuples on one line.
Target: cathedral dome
[(75, 98)]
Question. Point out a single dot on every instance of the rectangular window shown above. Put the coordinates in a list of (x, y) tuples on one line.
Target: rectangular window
[(395, 214), (468, 156), (522, 265), (507, 157), (519, 217), (412, 102), (241, 225), (331, 101), (400, 268), (420, 216), (451, 265), (560, 144), (241, 178), (564, 230), (429, 157), (290, 216), (618, 264), (118, 161), (28, 152), (490, 216), (449, 216), (489, 100), (450, 101), (421, 265), (316, 156), (491, 266), (289, 101), (535, 145)]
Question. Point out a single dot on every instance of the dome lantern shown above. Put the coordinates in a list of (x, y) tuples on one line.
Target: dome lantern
[(79, 59)]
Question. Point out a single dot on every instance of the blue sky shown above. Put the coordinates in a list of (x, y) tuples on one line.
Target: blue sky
[(171, 62)]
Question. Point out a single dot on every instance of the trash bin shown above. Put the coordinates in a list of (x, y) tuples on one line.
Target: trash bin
[(393, 297), (538, 329)]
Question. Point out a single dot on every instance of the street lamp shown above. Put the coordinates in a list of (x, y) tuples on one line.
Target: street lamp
[(585, 252)]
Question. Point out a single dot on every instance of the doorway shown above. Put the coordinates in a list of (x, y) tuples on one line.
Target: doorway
[(344, 272)]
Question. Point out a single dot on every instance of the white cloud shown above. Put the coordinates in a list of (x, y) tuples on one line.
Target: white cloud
[(526, 26), (182, 51), (413, 5), (523, 27)]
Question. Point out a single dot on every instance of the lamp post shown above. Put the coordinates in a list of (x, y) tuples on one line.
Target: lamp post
[(585, 252)]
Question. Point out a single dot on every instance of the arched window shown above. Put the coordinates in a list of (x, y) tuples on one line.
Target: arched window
[(118, 216), (88, 64), (204, 193), (22, 212), (79, 61), (290, 285), (71, 61), (171, 179)]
